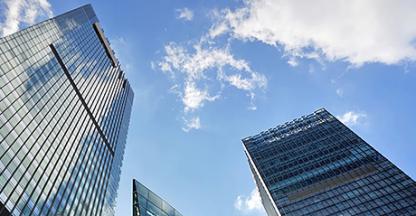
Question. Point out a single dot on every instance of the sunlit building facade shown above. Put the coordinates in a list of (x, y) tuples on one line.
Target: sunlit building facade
[(64, 113), (147, 203), (315, 165)]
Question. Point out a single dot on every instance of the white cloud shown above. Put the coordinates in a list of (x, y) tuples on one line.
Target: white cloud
[(354, 31), (352, 118), (250, 204), (190, 124), (193, 98), (293, 62), (217, 30), (185, 14), (198, 71), (256, 80), (22, 12)]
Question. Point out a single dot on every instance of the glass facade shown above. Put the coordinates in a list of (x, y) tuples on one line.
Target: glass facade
[(315, 165), (147, 203), (64, 113)]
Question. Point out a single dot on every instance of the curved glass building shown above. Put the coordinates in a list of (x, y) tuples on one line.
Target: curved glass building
[(64, 113)]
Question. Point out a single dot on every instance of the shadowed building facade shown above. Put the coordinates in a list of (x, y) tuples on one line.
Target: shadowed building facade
[(147, 203), (315, 165), (64, 113)]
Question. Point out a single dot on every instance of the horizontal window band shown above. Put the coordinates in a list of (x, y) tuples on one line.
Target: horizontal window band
[(327, 184)]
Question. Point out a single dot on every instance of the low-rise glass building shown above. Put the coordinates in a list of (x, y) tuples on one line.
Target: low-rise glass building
[(147, 203)]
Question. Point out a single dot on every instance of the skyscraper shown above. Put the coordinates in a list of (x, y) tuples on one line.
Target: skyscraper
[(64, 113), (315, 165), (147, 203)]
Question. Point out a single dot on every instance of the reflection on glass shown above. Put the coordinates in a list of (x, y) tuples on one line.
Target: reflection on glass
[(147, 203)]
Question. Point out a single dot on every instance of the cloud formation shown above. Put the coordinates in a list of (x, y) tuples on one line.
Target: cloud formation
[(352, 118), (250, 204), (185, 14), (22, 12), (198, 70), (355, 31), (190, 124)]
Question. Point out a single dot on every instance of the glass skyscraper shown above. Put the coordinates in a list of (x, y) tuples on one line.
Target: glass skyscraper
[(315, 165), (64, 113), (147, 203)]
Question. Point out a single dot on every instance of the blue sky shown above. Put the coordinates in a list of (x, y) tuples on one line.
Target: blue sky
[(208, 73)]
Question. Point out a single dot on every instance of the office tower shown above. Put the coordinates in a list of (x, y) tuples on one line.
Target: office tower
[(65, 108), (315, 165), (147, 203)]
